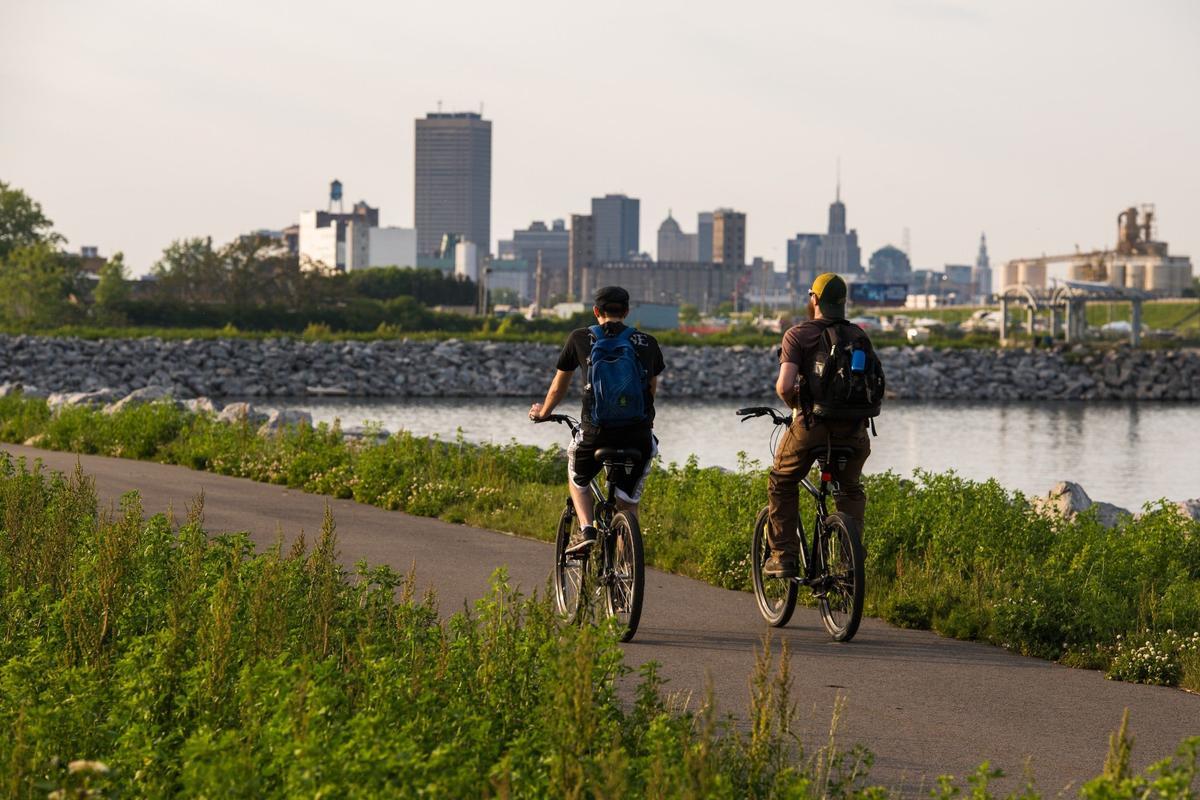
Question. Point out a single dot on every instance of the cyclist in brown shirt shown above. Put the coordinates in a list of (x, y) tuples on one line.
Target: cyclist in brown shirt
[(807, 435)]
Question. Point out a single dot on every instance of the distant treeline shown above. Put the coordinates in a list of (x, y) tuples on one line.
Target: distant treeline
[(251, 283)]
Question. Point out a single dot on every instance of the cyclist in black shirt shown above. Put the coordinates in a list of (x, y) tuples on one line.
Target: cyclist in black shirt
[(611, 307)]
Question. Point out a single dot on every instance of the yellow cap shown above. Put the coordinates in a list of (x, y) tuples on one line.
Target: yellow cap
[(829, 288)]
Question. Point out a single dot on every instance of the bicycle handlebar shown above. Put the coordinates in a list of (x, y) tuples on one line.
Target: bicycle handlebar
[(776, 416), (569, 421)]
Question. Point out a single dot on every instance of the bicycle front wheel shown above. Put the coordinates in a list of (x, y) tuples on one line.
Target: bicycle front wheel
[(842, 577), (776, 596), (625, 578), (568, 571)]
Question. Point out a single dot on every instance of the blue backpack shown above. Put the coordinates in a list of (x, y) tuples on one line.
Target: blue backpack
[(617, 380)]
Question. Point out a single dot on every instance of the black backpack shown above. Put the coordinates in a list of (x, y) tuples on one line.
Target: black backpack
[(837, 390)]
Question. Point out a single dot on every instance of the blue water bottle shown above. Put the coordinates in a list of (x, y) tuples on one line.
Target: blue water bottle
[(858, 361)]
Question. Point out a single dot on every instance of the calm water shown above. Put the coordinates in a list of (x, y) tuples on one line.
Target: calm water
[(1123, 453)]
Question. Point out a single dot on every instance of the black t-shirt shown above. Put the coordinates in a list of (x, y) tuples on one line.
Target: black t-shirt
[(579, 346)]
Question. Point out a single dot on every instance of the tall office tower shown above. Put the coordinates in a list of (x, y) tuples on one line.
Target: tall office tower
[(729, 237), (673, 244), (839, 251), (704, 234), (616, 219), (453, 180), (582, 252), (982, 278)]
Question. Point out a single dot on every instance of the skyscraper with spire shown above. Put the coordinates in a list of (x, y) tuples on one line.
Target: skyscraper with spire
[(836, 250), (982, 274)]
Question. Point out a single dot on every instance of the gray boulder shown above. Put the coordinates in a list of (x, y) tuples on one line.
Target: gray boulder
[(282, 417), (202, 405), (1068, 499), (1190, 508), (241, 412), (148, 394), (57, 400)]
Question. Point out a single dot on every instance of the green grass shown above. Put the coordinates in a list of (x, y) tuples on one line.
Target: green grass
[(1183, 316), (967, 559), (143, 659)]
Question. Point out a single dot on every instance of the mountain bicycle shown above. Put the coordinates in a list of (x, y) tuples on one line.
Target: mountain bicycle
[(831, 565), (609, 578)]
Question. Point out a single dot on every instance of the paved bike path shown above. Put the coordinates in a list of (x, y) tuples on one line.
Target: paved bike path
[(923, 704)]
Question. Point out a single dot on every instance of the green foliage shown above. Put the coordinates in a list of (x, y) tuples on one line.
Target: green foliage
[(427, 286), (22, 223), (36, 287), (136, 660), (112, 291), (967, 559)]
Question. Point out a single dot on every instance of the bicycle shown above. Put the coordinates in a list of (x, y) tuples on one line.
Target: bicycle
[(832, 566), (610, 576)]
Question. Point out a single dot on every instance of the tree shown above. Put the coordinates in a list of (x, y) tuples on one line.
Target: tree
[(112, 292), (36, 286), (22, 223), (689, 314), (190, 270)]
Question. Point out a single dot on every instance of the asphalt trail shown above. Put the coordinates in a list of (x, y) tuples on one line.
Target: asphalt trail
[(925, 705)]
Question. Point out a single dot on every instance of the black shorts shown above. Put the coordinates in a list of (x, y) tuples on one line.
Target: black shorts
[(582, 465)]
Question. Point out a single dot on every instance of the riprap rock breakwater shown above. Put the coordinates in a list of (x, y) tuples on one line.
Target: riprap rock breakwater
[(402, 367)]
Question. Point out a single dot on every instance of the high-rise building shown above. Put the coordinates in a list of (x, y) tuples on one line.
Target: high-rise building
[(802, 260), (453, 187), (553, 245), (839, 250), (674, 244), (582, 251), (704, 237), (729, 237), (616, 218), (836, 250), (982, 276)]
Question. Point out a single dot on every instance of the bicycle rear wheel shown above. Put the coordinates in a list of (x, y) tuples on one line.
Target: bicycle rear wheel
[(776, 596), (843, 576), (568, 571), (625, 578)]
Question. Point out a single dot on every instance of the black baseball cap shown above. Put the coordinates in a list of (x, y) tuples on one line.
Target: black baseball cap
[(611, 298)]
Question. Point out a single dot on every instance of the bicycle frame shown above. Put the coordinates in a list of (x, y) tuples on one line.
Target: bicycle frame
[(810, 552), (819, 493)]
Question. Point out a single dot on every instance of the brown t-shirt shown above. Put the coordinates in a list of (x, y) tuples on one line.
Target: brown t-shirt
[(801, 342)]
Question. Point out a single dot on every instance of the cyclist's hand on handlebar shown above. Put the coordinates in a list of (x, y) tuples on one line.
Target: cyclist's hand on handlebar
[(535, 412)]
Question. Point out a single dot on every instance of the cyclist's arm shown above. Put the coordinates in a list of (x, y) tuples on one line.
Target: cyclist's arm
[(785, 385), (554, 395), (653, 386)]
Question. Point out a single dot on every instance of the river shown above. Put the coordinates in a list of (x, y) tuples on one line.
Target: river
[(1123, 453)]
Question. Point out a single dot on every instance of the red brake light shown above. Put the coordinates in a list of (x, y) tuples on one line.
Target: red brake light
[(826, 476)]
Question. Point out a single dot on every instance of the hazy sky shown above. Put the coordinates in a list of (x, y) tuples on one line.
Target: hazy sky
[(136, 123)]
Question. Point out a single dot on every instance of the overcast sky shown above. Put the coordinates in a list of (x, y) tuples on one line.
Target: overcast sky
[(136, 123)]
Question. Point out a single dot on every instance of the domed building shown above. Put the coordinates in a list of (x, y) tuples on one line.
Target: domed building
[(673, 244)]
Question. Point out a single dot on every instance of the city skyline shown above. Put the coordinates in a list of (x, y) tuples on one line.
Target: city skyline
[(949, 118)]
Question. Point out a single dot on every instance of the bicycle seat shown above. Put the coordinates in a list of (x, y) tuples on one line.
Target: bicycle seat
[(837, 455), (617, 455), (613, 456)]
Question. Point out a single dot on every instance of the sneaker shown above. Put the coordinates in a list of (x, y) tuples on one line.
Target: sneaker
[(584, 544), (781, 565)]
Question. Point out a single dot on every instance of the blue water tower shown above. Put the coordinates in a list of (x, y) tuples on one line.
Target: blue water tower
[(335, 195)]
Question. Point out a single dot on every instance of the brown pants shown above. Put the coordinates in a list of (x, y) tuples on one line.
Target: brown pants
[(794, 458)]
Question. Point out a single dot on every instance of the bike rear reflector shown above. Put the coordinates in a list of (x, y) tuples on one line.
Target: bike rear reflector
[(826, 476)]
